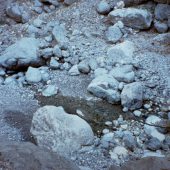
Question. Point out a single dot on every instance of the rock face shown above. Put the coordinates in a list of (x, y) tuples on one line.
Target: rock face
[(27, 156), (132, 96), (121, 53), (21, 54), (150, 163), (131, 17), (106, 87), (59, 131)]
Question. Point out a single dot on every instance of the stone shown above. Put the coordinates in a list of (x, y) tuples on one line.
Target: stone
[(123, 73), (132, 96), (129, 141), (113, 34), (13, 11), (27, 156), (162, 12), (57, 51), (120, 151), (163, 39), (33, 75), (103, 7), (105, 87), (59, 131), (167, 140), (59, 33), (132, 17), (21, 54), (11, 81), (54, 64), (153, 144), (83, 67), (161, 27), (149, 163), (2, 72), (121, 53), (50, 90), (74, 71), (1, 80), (108, 137), (93, 64), (137, 113), (151, 130), (47, 53)]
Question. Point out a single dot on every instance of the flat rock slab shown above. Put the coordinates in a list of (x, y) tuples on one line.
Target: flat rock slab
[(17, 156)]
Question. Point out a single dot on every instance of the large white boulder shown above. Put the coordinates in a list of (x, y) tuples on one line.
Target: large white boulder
[(132, 17), (59, 131)]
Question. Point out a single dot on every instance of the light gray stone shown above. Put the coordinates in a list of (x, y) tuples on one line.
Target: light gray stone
[(33, 75), (50, 90), (74, 71), (54, 64), (59, 131), (113, 34), (105, 87), (123, 73), (83, 67), (132, 96), (103, 7), (21, 54), (132, 17), (161, 27), (121, 53)]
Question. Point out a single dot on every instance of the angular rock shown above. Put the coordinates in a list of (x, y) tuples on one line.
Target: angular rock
[(161, 27), (103, 7), (132, 96), (151, 130), (23, 53), (54, 64), (129, 141), (162, 12), (59, 33), (74, 71), (27, 156), (131, 17), (121, 53), (106, 87), (59, 131), (153, 144), (123, 73), (50, 90), (83, 67), (113, 34), (33, 75)]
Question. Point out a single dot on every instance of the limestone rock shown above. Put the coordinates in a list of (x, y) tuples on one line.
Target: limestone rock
[(59, 131)]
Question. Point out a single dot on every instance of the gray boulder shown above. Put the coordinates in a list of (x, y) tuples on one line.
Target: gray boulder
[(153, 144), (106, 87), (162, 12), (27, 156), (123, 73), (23, 53), (132, 96), (121, 53), (113, 34), (59, 131), (103, 7), (33, 75), (131, 17)]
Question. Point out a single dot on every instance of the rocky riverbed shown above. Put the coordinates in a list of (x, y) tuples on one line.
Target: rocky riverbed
[(86, 81)]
